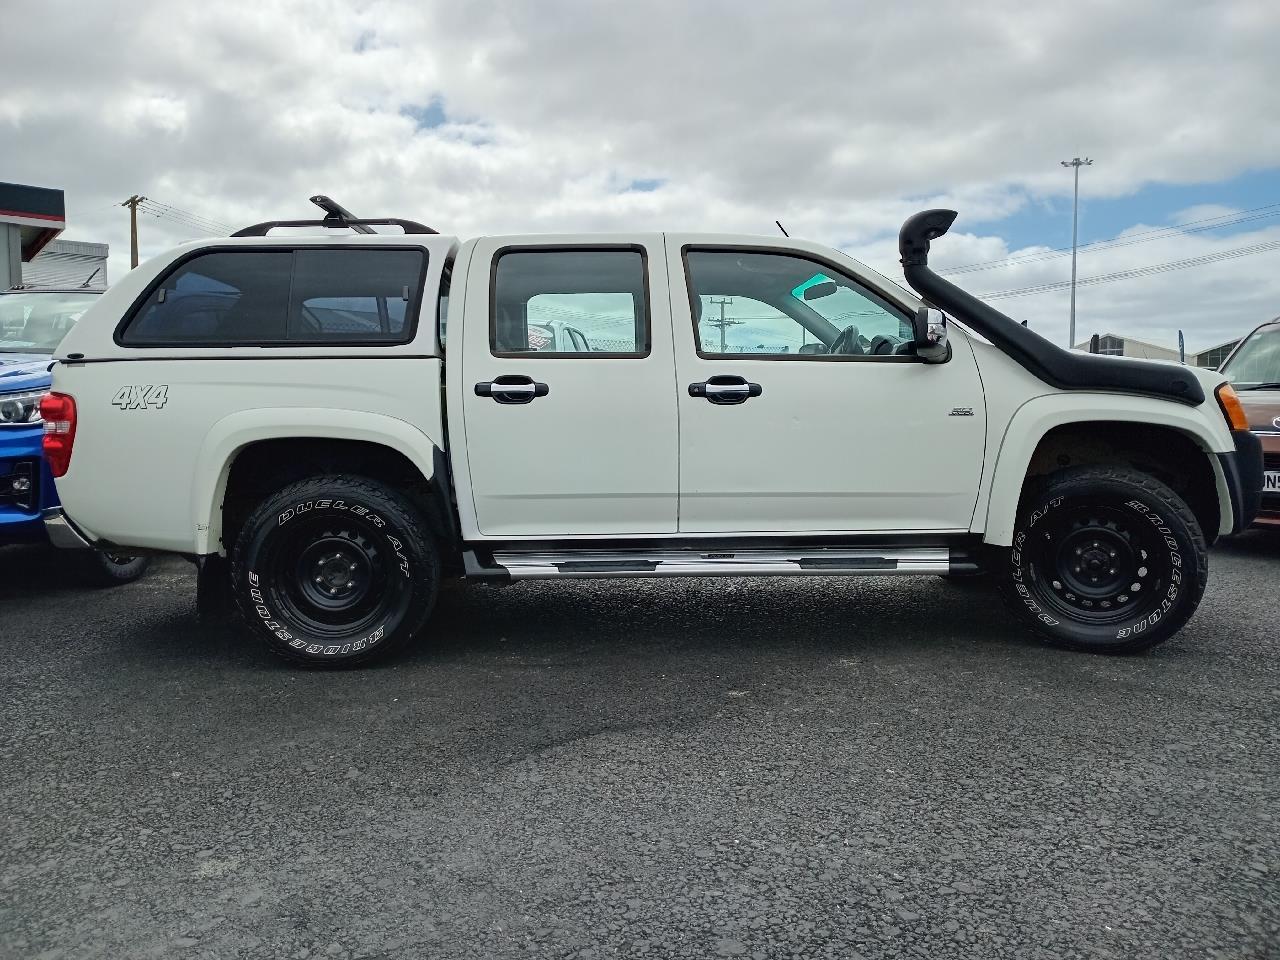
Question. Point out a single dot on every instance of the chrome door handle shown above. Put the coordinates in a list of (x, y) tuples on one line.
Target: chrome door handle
[(512, 388), (725, 390)]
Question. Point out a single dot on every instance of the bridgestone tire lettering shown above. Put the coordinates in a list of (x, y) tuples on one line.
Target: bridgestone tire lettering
[(1182, 561)]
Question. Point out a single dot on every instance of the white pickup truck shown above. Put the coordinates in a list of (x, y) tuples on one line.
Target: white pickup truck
[(339, 420)]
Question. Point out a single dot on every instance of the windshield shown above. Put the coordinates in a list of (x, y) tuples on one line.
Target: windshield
[(1257, 360), (36, 322)]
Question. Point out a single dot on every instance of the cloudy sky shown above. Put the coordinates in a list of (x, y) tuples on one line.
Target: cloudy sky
[(837, 118)]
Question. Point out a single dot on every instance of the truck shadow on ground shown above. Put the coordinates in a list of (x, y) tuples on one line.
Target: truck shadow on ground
[(1258, 542), (572, 622)]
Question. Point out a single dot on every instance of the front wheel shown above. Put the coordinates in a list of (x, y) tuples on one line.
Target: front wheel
[(1105, 559), (335, 571)]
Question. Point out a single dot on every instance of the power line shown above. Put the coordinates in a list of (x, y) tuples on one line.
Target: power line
[(186, 224), (1157, 233), (160, 211), (1135, 272), (1140, 271), (190, 224), (166, 209), (185, 218), (1266, 212)]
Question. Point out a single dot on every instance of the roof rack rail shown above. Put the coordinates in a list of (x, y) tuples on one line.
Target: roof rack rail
[(336, 217)]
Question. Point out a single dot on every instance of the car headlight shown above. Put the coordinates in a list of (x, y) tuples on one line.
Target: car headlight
[(20, 408)]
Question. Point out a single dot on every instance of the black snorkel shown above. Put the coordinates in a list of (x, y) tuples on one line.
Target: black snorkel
[(1064, 369)]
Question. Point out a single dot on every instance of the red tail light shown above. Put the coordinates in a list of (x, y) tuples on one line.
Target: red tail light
[(59, 414)]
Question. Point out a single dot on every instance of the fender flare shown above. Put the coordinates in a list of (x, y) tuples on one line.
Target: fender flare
[(1035, 418), (228, 436)]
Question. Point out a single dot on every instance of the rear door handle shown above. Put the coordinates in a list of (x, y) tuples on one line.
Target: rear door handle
[(512, 388), (725, 389)]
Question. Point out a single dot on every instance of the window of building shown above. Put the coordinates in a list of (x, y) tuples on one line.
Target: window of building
[(1111, 346), (1214, 358)]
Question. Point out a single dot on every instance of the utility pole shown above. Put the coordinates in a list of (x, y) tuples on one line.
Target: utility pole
[(722, 323), (132, 204), (1077, 163)]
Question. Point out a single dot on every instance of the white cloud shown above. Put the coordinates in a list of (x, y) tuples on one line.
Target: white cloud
[(838, 118), (1201, 212)]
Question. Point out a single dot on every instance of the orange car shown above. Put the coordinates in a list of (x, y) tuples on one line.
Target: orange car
[(1254, 370)]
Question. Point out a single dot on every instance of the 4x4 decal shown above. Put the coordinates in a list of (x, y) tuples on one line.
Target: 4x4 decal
[(144, 396)]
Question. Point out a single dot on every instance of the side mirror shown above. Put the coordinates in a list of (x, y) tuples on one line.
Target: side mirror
[(930, 329)]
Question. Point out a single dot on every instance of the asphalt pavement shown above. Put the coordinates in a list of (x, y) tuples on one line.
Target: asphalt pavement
[(690, 768)]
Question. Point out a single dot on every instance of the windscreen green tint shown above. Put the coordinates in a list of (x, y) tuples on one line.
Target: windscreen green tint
[(817, 278)]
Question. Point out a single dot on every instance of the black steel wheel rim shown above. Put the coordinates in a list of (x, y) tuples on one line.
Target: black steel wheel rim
[(1099, 564), (333, 577)]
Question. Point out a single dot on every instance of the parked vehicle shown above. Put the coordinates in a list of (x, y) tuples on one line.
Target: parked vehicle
[(285, 402), (1254, 370), (32, 322), (556, 336)]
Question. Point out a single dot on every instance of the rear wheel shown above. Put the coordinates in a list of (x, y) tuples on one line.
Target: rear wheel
[(104, 569), (1105, 559), (335, 571)]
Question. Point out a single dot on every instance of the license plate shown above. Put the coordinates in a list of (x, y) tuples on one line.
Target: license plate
[(1271, 481)]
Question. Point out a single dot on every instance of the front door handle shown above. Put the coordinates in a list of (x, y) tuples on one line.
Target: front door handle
[(724, 389), (512, 388)]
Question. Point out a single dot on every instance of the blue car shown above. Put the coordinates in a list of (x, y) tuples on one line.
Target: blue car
[(33, 322)]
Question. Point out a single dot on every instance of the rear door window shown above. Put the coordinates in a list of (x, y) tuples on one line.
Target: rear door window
[(570, 302)]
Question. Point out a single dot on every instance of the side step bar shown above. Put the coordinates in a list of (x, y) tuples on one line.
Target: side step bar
[(755, 562)]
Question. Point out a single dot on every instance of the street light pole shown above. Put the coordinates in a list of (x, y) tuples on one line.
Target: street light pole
[(1077, 163)]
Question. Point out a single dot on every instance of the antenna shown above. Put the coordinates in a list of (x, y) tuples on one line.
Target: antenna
[(90, 277), (782, 228)]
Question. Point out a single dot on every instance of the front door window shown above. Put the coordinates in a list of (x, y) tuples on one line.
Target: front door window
[(784, 305)]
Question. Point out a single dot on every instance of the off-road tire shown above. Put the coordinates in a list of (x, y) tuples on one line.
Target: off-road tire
[(1085, 538), (335, 571), (100, 569)]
